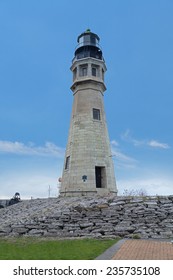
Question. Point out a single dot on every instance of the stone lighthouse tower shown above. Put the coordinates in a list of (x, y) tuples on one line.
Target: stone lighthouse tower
[(88, 166)]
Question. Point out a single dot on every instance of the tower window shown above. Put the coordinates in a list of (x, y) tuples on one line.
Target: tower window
[(67, 162), (94, 71), (83, 70), (96, 114), (74, 73), (103, 74)]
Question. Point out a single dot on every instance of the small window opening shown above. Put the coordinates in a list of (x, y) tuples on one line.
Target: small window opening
[(83, 70), (96, 114), (94, 71), (103, 74), (67, 163), (74, 74)]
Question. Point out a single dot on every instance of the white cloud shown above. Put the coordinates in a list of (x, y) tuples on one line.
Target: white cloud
[(28, 176), (153, 186), (126, 136), (19, 148), (114, 143), (121, 159), (156, 144), (30, 183)]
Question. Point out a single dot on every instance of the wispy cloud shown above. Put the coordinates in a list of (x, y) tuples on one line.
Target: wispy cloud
[(121, 158), (126, 136), (156, 144), (114, 143), (29, 184), (30, 149), (152, 186)]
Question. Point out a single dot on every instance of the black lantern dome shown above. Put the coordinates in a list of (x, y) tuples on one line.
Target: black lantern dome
[(88, 46)]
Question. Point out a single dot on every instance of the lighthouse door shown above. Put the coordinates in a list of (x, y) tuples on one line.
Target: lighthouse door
[(100, 177)]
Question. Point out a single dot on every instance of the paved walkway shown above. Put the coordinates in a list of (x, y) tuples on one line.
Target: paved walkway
[(139, 250), (144, 250)]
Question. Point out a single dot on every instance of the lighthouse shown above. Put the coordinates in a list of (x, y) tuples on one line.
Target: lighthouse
[(88, 166)]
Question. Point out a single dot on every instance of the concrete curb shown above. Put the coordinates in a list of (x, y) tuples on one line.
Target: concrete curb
[(109, 253)]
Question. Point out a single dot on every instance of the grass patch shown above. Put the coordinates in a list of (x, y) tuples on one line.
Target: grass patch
[(39, 249)]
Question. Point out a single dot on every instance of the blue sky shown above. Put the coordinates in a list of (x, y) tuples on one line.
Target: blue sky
[(38, 39)]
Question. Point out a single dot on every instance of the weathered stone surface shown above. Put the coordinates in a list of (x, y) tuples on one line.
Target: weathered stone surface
[(35, 232), (85, 225), (5, 229), (117, 203), (149, 217), (20, 230)]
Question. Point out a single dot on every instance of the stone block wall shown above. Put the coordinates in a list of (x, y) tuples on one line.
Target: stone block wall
[(108, 217)]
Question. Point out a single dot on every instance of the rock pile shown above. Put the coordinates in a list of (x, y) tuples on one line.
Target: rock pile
[(137, 217)]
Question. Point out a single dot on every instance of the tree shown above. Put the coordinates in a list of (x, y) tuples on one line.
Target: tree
[(135, 192)]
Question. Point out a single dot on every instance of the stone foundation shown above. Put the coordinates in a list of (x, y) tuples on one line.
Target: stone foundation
[(108, 217)]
